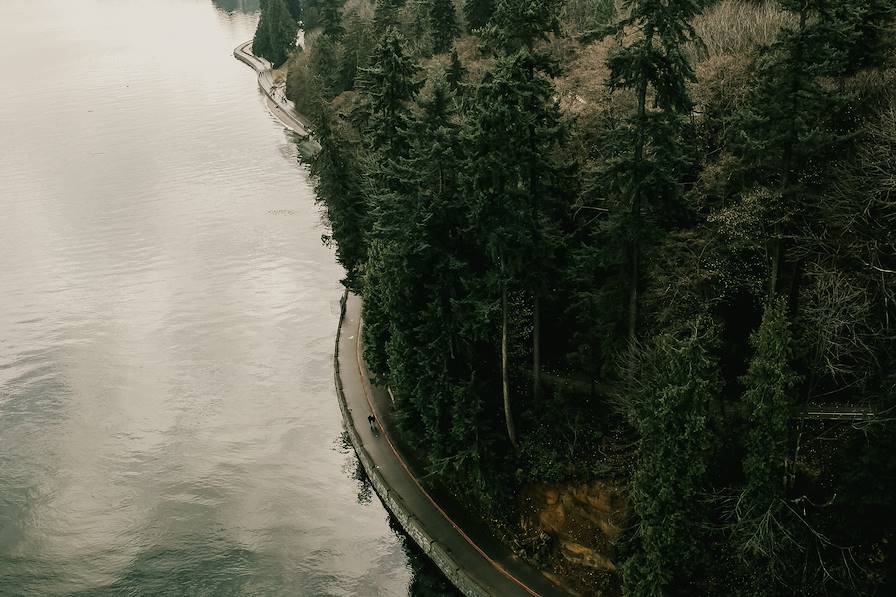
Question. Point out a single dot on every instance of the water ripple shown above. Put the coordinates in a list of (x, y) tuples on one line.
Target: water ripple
[(167, 419)]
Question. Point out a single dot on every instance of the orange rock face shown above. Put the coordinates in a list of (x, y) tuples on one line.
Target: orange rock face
[(584, 520)]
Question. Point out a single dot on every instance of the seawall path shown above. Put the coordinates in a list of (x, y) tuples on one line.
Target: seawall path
[(460, 545), (277, 103)]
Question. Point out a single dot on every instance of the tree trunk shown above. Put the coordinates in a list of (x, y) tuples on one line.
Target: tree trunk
[(778, 241), (505, 382), (776, 262), (635, 248), (536, 346), (633, 295)]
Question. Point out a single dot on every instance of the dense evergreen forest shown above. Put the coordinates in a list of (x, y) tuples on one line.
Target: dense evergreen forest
[(647, 244)]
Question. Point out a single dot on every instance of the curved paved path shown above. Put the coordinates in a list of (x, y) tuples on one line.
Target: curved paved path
[(466, 551), (279, 106)]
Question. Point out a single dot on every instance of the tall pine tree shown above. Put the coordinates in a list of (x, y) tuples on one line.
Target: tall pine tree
[(478, 13), (442, 25), (336, 174), (330, 18), (275, 36), (387, 88), (768, 402), (670, 394), (646, 173), (519, 189)]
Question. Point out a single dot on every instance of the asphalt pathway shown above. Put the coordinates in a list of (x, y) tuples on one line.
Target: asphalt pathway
[(467, 541)]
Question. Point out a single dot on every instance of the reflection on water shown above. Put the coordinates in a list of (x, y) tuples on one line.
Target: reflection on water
[(427, 580), (237, 5), (168, 424)]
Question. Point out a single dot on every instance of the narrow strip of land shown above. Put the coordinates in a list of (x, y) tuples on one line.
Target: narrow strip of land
[(279, 106), (462, 546)]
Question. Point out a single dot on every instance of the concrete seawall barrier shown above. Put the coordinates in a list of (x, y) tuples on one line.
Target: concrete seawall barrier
[(412, 526)]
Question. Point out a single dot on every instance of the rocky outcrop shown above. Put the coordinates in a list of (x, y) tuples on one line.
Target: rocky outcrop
[(582, 524)]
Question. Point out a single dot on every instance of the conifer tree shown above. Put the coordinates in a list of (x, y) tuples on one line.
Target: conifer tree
[(387, 87), (768, 403), (324, 65), (330, 18), (676, 381), (869, 27), (426, 220), (519, 188), (275, 36), (478, 13), (337, 185), (442, 25), (456, 72), (768, 400), (386, 14), (377, 311), (648, 171)]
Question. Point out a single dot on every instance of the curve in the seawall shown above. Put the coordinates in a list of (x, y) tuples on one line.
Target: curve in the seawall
[(285, 112)]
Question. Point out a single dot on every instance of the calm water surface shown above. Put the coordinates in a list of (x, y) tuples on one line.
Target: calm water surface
[(167, 417)]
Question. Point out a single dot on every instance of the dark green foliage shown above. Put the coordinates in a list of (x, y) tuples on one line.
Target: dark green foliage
[(330, 18), (645, 172), (356, 49), (864, 31), (442, 25), (387, 86), (517, 185), (520, 192), (338, 187), (509, 254), (418, 326), (275, 37), (324, 65), (768, 405), (295, 9), (478, 13), (518, 24), (378, 300), (456, 72), (669, 400), (385, 15), (427, 219)]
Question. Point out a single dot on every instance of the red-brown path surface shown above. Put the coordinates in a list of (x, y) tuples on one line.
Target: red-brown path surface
[(469, 544)]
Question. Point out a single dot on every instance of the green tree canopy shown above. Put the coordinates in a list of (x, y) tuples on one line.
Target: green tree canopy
[(275, 36), (670, 396), (442, 25)]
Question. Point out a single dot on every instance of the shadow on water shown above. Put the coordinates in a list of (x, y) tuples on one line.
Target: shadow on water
[(237, 5), (426, 579)]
